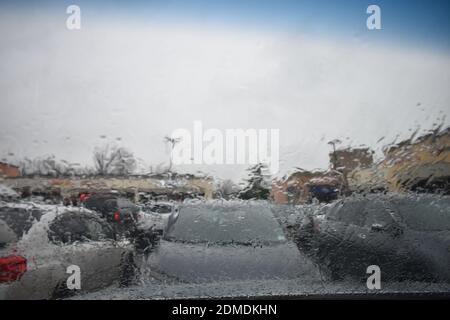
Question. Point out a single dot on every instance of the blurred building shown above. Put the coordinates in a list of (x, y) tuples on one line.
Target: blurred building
[(372, 179), (304, 186), (420, 165), (348, 159), (9, 170)]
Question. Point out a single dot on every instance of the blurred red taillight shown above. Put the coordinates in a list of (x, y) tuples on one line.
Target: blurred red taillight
[(12, 268), (84, 196)]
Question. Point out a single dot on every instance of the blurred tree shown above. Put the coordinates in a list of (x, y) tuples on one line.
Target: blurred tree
[(258, 184), (47, 166), (226, 189), (111, 160)]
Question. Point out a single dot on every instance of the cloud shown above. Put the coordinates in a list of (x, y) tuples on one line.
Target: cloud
[(61, 90)]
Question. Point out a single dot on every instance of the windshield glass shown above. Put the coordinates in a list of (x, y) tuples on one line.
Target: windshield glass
[(233, 224), (426, 214), (20, 220), (227, 140)]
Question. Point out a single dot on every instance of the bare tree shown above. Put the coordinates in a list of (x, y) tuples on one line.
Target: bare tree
[(54, 167), (46, 166), (102, 160), (124, 163), (113, 161), (25, 166)]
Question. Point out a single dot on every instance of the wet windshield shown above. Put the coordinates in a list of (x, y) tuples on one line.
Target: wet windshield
[(19, 219), (177, 149), (225, 225), (426, 214)]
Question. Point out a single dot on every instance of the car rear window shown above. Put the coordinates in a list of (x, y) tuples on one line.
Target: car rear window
[(19, 220), (242, 225), (76, 226)]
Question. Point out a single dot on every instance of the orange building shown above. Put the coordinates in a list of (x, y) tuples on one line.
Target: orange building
[(9, 170), (420, 164), (346, 160)]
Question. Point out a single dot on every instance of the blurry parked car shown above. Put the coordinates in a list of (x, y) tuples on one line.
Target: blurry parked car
[(121, 212), (407, 236), (156, 215), (210, 242), (125, 217), (37, 244)]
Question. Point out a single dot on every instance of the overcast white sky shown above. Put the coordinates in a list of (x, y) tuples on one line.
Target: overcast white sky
[(61, 90)]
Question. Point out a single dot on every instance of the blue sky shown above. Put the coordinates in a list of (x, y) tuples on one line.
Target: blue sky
[(409, 22)]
